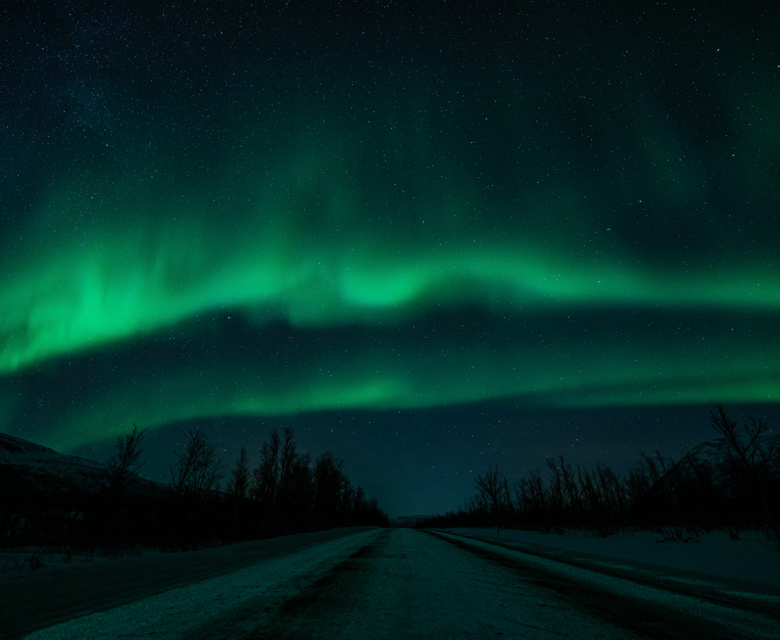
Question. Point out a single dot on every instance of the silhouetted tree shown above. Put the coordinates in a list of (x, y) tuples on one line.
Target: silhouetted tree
[(679, 500), (346, 499), (638, 487), (744, 441), (360, 501), (572, 496), (238, 487), (656, 466), (296, 498), (557, 496), (493, 490), (287, 460), (750, 482), (196, 469), (532, 499), (327, 480), (125, 463), (302, 491), (281, 483), (266, 476)]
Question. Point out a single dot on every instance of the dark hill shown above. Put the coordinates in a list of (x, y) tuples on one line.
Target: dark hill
[(714, 461), (30, 471)]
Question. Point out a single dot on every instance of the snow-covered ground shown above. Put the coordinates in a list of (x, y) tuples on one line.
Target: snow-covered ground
[(404, 583), (65, 588), (18, 565), (751, 559), (180, 612)]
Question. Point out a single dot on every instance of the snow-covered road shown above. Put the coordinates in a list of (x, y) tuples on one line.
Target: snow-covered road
[(404, 583)]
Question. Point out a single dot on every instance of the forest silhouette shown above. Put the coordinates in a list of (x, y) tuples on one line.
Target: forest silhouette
[(732, 483), (285, 493)]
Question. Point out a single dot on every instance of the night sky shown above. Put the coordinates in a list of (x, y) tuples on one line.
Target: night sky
[(429, 236)]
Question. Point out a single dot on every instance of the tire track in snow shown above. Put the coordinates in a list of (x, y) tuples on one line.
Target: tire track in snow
[(320, 592), (317, 595), (404, 584)]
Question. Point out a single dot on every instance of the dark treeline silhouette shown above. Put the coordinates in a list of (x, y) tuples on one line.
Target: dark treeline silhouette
[(285, 493), (732, 483)]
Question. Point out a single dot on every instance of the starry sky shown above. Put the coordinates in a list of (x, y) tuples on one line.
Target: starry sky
[(427, 236)]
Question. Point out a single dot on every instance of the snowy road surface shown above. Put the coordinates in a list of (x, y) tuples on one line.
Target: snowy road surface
[(403, 583)]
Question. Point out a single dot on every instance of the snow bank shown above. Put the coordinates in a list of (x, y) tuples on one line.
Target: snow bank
[(751, 559)]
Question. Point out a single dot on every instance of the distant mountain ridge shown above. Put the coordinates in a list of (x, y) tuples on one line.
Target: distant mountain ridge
[(32, 469), (715, 455), (407, 521), (713, 466)]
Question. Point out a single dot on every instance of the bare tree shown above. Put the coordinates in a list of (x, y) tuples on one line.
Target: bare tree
[(265, 477), (328, 473), (288, 458), (638, 484), (493, 490), (591, 496), (749, 478), (557, 495), (360, 500), (657, 466), (196, 469), (238, 485), (612, 494), (571, 488), (745, 441), (532, 499), (125, 463), (302, 491), (347, 496)]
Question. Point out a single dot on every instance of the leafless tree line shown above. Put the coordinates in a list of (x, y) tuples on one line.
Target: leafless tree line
[(285, 493), (736, 487)]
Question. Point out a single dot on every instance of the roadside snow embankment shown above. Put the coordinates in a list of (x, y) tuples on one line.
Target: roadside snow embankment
[(750, 563), (174, 611)]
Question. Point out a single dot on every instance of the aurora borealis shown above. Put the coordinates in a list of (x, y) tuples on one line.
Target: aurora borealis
[(250, 216)]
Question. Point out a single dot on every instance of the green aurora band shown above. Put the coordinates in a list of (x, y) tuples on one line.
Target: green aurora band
[(311, 251), (371, 210)]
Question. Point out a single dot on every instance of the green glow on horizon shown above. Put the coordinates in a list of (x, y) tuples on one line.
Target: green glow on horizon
[(400, 373)]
